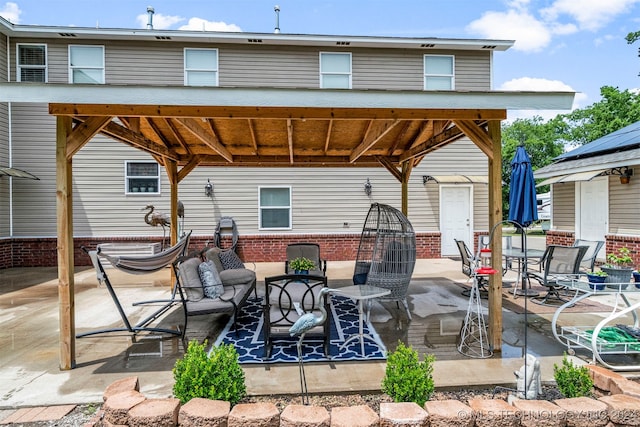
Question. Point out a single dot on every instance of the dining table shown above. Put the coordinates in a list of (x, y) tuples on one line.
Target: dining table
[(520, 255)]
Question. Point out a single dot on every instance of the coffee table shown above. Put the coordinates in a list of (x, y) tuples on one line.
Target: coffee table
[(361, 293)]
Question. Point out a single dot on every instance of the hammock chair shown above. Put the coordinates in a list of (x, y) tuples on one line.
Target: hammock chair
[(137, 265), (387, 253)]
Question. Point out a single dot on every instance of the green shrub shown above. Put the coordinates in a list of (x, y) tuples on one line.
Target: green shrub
[(572, 381), (406, 378), (216, 376)]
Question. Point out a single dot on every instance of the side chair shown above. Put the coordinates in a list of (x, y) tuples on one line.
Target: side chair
[(589, 259), (560, 264), (468, 264), (307, 250)]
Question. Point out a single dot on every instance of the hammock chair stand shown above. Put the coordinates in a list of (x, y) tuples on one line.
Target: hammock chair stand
[(386, 253), (138, 265)]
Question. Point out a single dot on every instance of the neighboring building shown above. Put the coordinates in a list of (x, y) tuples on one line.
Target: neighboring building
[(595, 194), (114, 182)]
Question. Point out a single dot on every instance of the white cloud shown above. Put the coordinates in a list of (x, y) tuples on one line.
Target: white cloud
[(540, 85), (199, 24), (160, 21), (11, 12), (589, 14), (529, 33)]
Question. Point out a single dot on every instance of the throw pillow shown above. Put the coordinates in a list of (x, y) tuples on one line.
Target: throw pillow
[(190, 279), (211, 283), (230, 260), (213, 255)]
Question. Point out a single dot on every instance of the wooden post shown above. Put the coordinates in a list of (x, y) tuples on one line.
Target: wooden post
[(406, 173), (172, 173), (495, 216), (64, 212)]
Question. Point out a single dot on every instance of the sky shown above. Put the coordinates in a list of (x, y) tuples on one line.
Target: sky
[(560, 45)]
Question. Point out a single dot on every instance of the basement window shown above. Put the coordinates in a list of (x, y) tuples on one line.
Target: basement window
[(274, 208), (141, 178)]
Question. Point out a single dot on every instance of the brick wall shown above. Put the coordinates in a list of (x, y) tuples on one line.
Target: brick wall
[(615, 242), (565, 238), (256, 248)]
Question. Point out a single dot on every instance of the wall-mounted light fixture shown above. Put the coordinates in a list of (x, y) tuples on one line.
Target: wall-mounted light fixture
[(367, 187), (208, 189)]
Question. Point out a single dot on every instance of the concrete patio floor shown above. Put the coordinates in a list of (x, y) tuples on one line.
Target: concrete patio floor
[(29, 346)]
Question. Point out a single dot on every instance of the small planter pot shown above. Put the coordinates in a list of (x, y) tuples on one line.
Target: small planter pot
[(301, 271), (618, 276), (596, 282)]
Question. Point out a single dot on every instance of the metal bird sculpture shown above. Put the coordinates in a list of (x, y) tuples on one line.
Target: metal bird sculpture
[(304, 324), (155, 219), (181, 216)]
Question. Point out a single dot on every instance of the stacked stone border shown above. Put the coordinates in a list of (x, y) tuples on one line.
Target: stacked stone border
[(124, 405)]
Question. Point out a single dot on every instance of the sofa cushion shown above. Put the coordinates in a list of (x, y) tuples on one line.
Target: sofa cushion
[(212, 255), (230, 260), (190, 279), (237, 276), (211, 282)]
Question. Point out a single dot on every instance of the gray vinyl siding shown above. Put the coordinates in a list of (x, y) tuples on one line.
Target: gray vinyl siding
[(4, 181), (563, 206), (624, 205), (3, 59), (34, 202), (264, 66)]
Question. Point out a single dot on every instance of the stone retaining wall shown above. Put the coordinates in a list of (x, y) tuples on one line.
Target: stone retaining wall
[(125, 405)]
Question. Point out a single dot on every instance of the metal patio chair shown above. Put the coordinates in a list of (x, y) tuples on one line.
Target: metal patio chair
[(561, 264)]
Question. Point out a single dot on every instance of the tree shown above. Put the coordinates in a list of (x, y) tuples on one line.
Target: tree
[(614, 111), (539, 138)]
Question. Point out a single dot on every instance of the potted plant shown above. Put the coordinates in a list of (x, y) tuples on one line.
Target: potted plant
[(597, 279), (618, 267), (302, 265)]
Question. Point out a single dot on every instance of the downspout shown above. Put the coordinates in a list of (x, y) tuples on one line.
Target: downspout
[(10, 141)]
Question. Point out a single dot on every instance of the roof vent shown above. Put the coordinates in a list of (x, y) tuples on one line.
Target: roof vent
[(427, 45), (163, 38), (150, 12), (67, 35), (488, 46), (254, 40), (276, 9), (343, 43)]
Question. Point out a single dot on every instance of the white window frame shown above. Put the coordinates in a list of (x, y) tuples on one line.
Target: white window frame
[(214, 70), (20, 67), (323, 74), (451, 76), (260, 207), (72, 68), (129, 189)]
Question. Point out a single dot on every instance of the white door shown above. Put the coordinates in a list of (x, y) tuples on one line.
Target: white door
[(456, 219), (592, 219)]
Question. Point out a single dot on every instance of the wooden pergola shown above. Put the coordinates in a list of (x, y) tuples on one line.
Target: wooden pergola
[(186, 127)]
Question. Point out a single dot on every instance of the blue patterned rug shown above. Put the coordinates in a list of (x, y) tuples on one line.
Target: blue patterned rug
[(250, 344)]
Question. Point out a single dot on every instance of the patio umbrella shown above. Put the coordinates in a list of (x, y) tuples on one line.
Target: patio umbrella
[(523, 207), (18, 173), (523, 211)]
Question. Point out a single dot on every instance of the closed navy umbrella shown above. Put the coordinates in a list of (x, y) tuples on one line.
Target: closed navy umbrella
[(523, 207)]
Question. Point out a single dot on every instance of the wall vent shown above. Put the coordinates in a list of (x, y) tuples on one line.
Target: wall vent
[(254, 40), (163, 38), (488, 46), (427, 45), (343, 43), (67, 35)]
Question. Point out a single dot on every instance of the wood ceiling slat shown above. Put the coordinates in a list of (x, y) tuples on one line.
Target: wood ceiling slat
[(137, 140), (372, 136), (209, 139)]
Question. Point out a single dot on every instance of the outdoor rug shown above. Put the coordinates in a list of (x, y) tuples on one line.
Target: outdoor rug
[(249, 342), (517, 304)]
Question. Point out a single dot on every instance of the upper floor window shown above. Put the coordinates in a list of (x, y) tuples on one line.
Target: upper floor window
[(86, 64), (141, 177), (201, 67), (438, 72), (32, 63), (335, 70), (275, 207)]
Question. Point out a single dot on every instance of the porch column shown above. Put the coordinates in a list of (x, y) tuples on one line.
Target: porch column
[(172, 173), (64, 213), (406, 173), (495, 216)]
